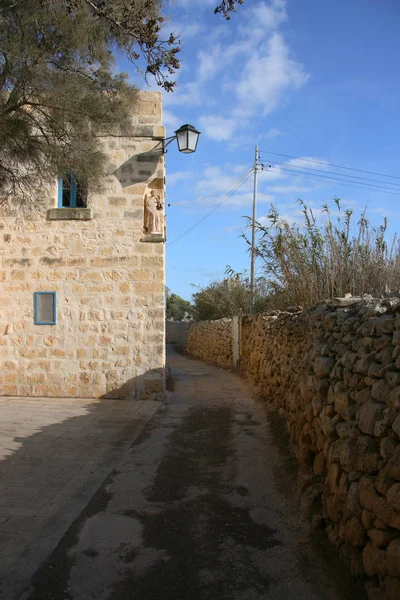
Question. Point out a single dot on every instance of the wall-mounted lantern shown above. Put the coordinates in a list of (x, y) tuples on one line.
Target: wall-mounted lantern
[(187, 138)]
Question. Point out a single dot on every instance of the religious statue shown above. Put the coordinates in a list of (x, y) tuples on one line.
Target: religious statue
[(153, 206)]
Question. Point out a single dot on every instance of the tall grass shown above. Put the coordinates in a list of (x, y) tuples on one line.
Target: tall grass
[(305, 263)]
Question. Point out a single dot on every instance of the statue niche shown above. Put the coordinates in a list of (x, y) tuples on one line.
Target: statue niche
[(153, 211)]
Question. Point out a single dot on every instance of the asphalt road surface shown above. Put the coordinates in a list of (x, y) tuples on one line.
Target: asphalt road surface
[(202, 507)]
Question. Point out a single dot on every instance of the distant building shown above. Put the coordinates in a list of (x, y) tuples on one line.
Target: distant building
[(82, 283)]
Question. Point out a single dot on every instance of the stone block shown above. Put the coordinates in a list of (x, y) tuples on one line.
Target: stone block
[(369, 414), (374, 560), (393, 497), (381, 390), (386, 513), (349, 429), (92, 276), (396, 426), (352, 531), (382, 537), (352, 505), (368, 494), (367, 519), (393, 399), (343, 402), (392, 468), (392, 590), (393, 558)]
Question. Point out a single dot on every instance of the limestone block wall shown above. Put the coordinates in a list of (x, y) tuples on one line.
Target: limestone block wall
[(211, 341), (177, 332), (109, 336), (334, 373)]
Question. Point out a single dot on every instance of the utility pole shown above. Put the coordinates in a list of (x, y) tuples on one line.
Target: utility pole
[(253, 231)]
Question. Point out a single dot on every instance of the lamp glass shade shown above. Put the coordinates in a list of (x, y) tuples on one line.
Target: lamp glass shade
[(187, 137)]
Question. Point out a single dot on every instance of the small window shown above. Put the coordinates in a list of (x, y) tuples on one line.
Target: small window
[(71, 193), (45, 308)]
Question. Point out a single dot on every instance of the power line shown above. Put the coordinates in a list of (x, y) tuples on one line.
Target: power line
[(211, 211), (330, 164), (243, 181), (353, 177), (329, 179), (366, 186), (213, 195)]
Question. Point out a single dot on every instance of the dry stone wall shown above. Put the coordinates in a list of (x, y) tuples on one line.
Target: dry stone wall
[(334, 373), (212, 341), (177, 332)]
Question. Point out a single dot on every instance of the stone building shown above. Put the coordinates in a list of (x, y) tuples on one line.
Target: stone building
[(82, 281)]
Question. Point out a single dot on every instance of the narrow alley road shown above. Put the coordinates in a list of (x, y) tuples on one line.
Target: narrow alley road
[(202, 507)]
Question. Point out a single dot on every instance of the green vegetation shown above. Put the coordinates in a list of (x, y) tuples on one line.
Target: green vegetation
[(306, 263), (58, 88), (227, 6), (178, 308), (228, 298), (58, 85)]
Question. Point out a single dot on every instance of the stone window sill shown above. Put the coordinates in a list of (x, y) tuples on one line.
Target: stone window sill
[(69, 214), (153, 237)]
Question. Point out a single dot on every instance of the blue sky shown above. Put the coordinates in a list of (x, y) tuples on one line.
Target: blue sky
[(316, 80)]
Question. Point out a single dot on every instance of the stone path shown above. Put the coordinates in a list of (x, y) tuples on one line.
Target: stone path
[(54, 455), (202, 507)]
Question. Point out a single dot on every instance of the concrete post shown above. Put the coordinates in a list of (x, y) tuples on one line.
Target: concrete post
[(236, 340)]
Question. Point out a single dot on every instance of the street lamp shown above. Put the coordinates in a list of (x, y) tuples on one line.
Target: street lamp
[(187, 138)]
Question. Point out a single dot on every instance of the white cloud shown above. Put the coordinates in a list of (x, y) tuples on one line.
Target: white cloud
[(289, 189), (266, 77), (208, 65), (240, 169), (309, 162), (215, 181), (173, 178), (183, 29), (170, 120), (291, 213), (383, 212), (217, 127), (268, 17), (254, 73), (189, 95), (212, 183), (272, 174), (271, 134), (189, 3), (214, 178), (246, 200), (232, 228)]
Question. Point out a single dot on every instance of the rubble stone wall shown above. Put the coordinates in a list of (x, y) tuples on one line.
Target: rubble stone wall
[(211, 341), (334, 373), (177, 332)]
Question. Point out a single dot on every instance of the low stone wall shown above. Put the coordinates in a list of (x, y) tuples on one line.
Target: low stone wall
[(212, 341), (177, 332), (334, 373)]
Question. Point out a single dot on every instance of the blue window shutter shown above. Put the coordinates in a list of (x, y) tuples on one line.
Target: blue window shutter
[(44, 316), (36, 308), (60, 192), (72, 180)]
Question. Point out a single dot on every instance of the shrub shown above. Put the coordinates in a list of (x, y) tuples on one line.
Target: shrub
[(307, 263), (226, 299)]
